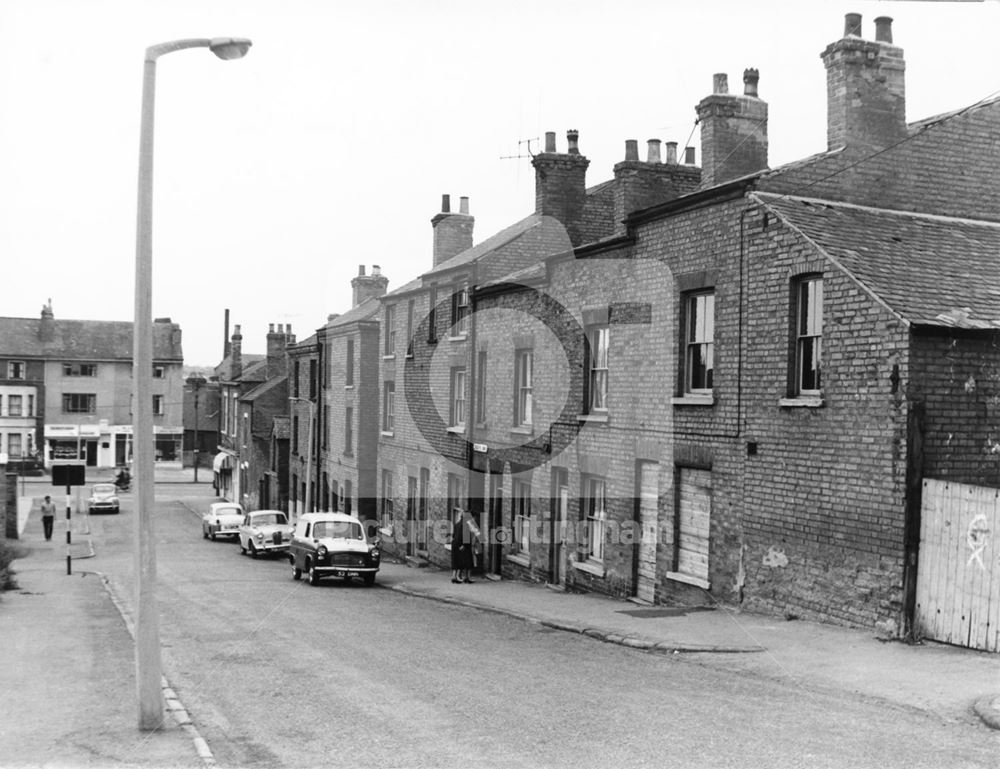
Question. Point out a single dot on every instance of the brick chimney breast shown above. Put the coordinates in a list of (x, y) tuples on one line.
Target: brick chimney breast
[(236, 354), (733, 131), (368, 286), (561, 183), (640, 184), (276, 359), (452, 231), (865, 87)]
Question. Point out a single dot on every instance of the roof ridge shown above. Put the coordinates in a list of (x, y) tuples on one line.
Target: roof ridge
[(766, 196)]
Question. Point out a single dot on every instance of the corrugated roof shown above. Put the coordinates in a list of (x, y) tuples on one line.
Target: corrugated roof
[(84, 340), (930, 270)]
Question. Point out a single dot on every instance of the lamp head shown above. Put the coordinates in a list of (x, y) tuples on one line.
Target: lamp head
[(230, 47)]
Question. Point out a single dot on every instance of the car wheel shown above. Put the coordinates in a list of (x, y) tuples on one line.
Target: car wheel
[(253, 549), (243, 549), (313, 576), (211, 536), (369, 579), (296, 571), (204, 533)]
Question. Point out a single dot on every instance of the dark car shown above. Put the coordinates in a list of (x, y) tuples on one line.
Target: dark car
[(333, 545)]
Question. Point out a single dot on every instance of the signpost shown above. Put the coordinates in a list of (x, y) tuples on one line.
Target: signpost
[(69, 475)]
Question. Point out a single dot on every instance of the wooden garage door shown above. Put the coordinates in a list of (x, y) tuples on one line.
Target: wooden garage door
[(958, 572), (695, 513)]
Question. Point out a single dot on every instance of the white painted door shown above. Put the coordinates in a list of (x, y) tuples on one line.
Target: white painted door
[(693, 530), (649, 524), (958, 572)]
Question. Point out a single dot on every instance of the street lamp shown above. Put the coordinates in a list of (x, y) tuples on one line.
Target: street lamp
[(195, 382), (147, 634)]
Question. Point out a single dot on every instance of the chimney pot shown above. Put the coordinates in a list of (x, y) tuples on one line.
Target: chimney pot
[(376, 270), (720, 83), (852, 25), (445, 204), (653, 151), (572, 138), (288, 328), (270, 328), (750, 78), (463, 205), (689, 156), (236, 331), (883, 29), (671, 148), (631, 149), (281, 328), (550, 141), (361, 270)]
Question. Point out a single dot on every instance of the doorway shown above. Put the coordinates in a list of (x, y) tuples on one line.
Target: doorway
[(560, 513)]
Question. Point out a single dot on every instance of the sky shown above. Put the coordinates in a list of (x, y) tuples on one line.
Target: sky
[(331, 143)]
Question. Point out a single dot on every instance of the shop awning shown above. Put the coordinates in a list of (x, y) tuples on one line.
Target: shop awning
[(221, 462)]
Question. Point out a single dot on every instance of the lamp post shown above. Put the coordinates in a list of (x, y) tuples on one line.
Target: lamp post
[(147, 634), (195, 381)]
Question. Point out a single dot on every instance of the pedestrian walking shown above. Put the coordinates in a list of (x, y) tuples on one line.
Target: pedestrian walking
[(48, 516)]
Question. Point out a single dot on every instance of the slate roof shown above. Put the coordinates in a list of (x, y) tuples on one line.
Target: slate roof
[(84, 340), (222, 370), (930, 270), (368, 309), (263, 389), (492, 243)]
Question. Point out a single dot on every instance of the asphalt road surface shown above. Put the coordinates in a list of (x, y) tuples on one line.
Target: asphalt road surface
[(276, 673)]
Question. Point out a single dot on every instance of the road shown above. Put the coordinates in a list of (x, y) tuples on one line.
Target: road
[(276, 673)]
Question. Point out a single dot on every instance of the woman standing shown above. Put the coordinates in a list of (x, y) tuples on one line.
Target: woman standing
[(464, 535)]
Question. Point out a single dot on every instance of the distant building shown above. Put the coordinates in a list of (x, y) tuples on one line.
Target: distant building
[(66, 389)]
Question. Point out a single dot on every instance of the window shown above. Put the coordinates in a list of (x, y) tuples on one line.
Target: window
[(460, 312), (595, 514), (481, 388), (699, 338), (157, 405), (390, 329), (295, 380), (349, 374), (14, 405), (808, 335), (80, 369), (15, 369), (324, 424), (457, 397), (523, 376), (295, 435), (349, 430), (14, 445), (432, 317), (596, 368), (456, 494), (313, 371), (79, 403), (31, 406), (158, 372), (389, 407), (410, 305), (520, 515), (386, 498)]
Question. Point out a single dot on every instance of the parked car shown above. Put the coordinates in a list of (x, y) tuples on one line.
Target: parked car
[(103, 499), (333, 545), (265, 531), (223, 519)]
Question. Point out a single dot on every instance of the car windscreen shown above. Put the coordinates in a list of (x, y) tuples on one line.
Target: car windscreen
[(104, 488), (267, 519), (338, 530)]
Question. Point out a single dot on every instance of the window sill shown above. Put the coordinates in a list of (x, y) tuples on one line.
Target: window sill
[(600, 418), (525, 430), (349, 387), (457, 429), (687, 579), (802, 402), (482, 425), (387, 433), (459, 338), (409, 356), (591, 567), (693, 399), (520, 560), (389, 357)]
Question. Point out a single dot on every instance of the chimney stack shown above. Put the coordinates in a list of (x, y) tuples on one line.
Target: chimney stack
[(368, 286), (733, 131), (46, 328), (865, 87), (561, 183), (277, 361), (236, 354), (226, 350), (452, 232), (641, 184)]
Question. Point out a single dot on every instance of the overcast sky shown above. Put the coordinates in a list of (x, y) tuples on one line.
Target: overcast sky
[(330, 144)]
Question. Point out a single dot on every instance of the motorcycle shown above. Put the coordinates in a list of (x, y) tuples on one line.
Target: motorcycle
[(123, 483)]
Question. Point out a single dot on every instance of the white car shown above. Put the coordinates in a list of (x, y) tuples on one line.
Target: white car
[(223, 519), (265, 531)]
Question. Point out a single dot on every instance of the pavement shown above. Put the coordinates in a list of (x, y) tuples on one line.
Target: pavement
[(68, 698)]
